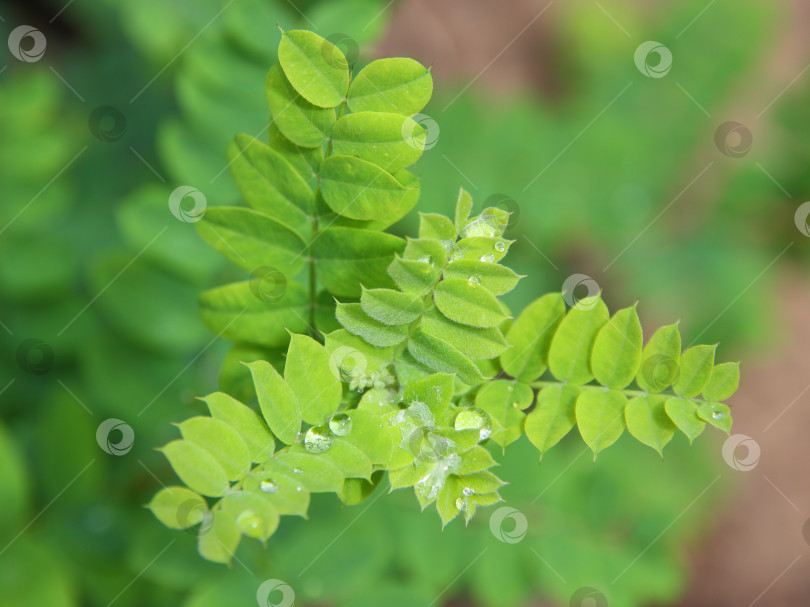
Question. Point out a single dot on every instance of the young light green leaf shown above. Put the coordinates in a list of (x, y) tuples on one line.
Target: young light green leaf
[(468, 303), (433, 225), (307, 161), (495, 278), (391, 141), (277, 401), (463, 208), (695, 370), (425, 250), (310, 377), (350, 460), (647, 420), (489, 249), (723, 382), (416, 277), (280, 487), (357, 189), (441, 356), (351, 356), (659, 360), (178, 507), (616, 351), (357, 322), (221, 441), (553, 416), (391, 307), (530, 337), (569, 356), (247, 312), (504, 401), (482, 483), (470, 341), (298, 120), (435, 391), (372, 436), (399, 85), (245, 421), (315, 67), (357, 490), (475, 460), (347, 257), (197, 468), (254, 515), (252, 240), (683, 413), (219, 541), (600, 418), (314, 472), (269, 183), (717, 414), (449, 496)]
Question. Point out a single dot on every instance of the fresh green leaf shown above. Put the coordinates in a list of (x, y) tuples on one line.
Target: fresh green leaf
[(648, 421), (254, 515), (358, 189), (471, 341), (684, 415), (356, 321), (250, 426), (178, 507), (416, 277), (391, 141), (391, 307), (659, 360), (433, 225), (468, 303), (616, 354), (218, 542), (553, 416), (494, 277), (197, 468), (298, 120), (315, 67), (724, 380), (221, 441), (310, 377), (463, 208), (695, 371), (717, 414), (435, 391), (277, 401), (600, 417), (441, 356), (504, 401), (530, 337), (399, 85), (570, 353)]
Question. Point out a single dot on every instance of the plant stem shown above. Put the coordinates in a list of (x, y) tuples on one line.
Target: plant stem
[(628, 393)]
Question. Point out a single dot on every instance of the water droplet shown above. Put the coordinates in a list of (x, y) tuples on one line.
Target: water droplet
[(500, 246), (248, 521), (474, 419), (488, 258), (297, 471), (268, 486), (425, 259), (480, 226), (340, 424), (317, 439), (461, 504), (468, 491), (717, 415), (299, 488), (516, 405)]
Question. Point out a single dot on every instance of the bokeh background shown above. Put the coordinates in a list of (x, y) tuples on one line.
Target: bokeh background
[(675, 183)]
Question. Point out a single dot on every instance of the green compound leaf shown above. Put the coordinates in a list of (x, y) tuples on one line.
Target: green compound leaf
[(441, 356), (724, 381), (239, 312), (391, 141), (600, 418), (495, 278), (358, 189), (391, 307), (695, 370), (530, 337), (277, 401), (435, 391), (475, 460), (357, 322), (416, 277), (287, 494), (178, 507), (298, 120), (463, 208), (471, 341), (717, 414), (433, 225), (648, 421), (553, 416), (317, 474), (244, 420), (221, 441), (312, 380), (252, 240), (659, 360), (349, 257), (307, 161), (504, 401), (197, 468), (616, 351), (218, 542), (269, 183), (449, 496), (684, 415), (254, 515), (570, 352), (398, 85), (468, 303), (352, 357), (315, 67)]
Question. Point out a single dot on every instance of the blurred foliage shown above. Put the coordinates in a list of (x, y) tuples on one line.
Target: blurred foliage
[(120, 316)]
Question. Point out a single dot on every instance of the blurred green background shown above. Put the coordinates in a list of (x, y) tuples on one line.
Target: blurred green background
[(613, 174)]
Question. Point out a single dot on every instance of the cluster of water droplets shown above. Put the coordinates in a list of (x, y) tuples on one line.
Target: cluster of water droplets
[(319, 438), (473, 418), (462, 503)]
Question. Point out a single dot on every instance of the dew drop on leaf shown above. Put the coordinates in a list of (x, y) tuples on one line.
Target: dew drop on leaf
[(488, 258), (317, 439), (500, 246), (340, 424), (425, 259), (717, 415), (468, 491), (268, 486), (461, 504), (476, 419)]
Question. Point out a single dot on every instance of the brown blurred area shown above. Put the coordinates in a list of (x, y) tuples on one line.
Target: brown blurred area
[(756, 554)]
